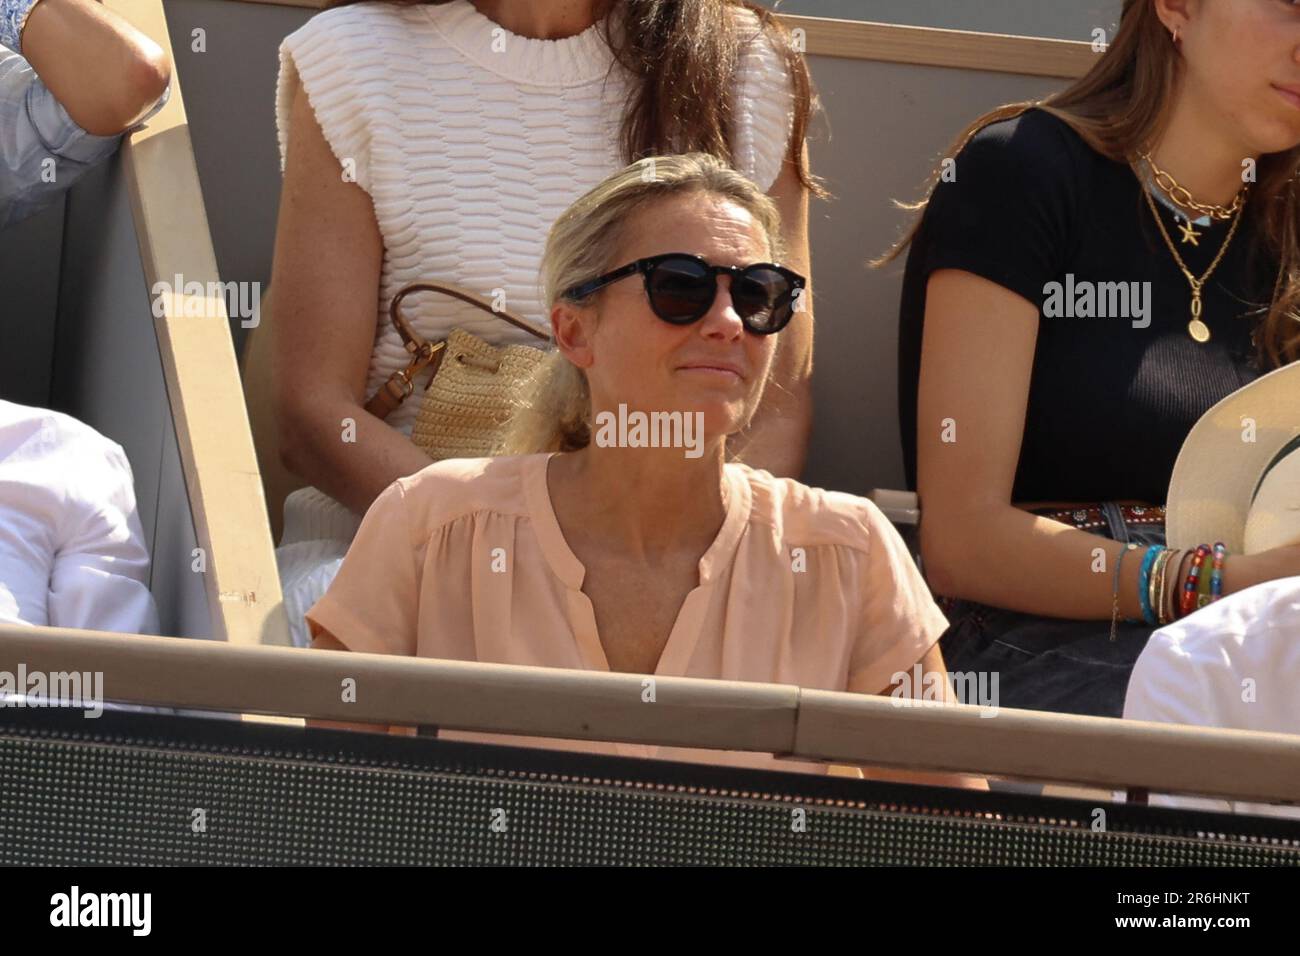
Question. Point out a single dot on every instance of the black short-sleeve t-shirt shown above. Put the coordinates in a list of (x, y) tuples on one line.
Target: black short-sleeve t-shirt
[(1036, 210)]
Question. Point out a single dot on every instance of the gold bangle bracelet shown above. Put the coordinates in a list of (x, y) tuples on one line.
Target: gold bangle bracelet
[(1161, 615), (1156, 586)]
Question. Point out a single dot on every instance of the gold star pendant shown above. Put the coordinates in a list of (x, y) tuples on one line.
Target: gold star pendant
[(1189, 233)]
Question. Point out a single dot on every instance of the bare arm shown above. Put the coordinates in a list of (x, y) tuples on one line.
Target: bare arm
[(104, 72), (975, 544), (328, 254), (777, 437)]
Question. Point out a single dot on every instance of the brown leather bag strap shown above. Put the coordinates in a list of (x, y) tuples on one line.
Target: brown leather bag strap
[(423, 353), (456, 292), (399, 385)]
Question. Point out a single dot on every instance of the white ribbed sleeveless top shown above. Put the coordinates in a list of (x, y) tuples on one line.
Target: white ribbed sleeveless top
[(471, 140)]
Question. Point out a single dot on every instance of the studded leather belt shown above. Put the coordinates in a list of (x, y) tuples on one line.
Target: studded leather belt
[(1091, 517)]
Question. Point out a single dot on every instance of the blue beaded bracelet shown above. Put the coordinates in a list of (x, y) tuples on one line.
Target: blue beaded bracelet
[(1144, 582), (13, 15), (1216, 571)]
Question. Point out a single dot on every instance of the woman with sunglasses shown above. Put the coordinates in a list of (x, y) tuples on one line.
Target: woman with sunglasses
[(575, 551), (1091, 275), (437, 141)]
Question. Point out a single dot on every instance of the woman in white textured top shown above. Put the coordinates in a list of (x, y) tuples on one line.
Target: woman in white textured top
[(438, 141)]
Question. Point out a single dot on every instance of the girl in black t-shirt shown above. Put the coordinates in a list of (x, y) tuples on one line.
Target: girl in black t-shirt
[(1089, 276)]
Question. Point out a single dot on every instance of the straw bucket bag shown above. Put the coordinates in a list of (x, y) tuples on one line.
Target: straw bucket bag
[(471, 394)]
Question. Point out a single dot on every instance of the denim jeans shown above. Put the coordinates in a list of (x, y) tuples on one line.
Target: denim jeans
[(1052, 664)]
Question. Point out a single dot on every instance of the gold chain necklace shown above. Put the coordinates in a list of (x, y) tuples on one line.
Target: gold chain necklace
[(1182, 197), (1196, 328)]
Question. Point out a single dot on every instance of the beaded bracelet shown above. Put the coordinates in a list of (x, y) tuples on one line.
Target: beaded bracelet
[(1144, 584), (1187, 601), (1216, 571), (1203, 585)]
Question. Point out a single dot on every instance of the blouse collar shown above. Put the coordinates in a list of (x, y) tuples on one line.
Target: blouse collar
[(565, 564)]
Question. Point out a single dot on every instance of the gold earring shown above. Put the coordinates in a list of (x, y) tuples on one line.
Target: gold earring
[(1175, 36)]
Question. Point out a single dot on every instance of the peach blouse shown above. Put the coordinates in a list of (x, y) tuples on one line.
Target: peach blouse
[(465, 560)]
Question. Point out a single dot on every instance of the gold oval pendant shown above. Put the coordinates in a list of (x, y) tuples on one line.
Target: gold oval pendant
[(1198, 330)]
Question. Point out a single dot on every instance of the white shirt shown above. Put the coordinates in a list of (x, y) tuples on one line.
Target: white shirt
[(1234, 664), (471, 141), (72, 553)]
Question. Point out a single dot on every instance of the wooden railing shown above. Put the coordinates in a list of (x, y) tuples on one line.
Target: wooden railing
[(688, 712), (207, 403)]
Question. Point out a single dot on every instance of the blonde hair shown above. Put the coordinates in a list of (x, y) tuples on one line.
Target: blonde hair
[(553, 413)]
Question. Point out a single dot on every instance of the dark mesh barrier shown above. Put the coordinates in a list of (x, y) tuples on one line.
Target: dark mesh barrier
[(148, 789)]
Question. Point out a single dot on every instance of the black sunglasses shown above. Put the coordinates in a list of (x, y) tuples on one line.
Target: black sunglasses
[(681, 289)]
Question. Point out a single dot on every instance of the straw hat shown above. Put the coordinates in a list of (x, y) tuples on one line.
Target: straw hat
[(1237, 477)]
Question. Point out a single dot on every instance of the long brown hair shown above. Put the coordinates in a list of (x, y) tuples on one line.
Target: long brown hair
[(682, 55), (1118, 108)]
